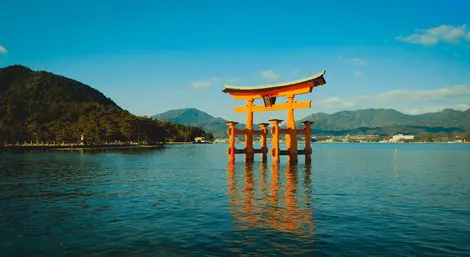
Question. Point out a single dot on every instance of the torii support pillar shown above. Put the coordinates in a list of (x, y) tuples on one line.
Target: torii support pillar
[(249, 150), (231, 134), (308, 135), (264, 145), (291, 136), (275, 151)]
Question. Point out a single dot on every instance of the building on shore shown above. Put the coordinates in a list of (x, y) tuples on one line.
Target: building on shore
[(347, 138), (199, 140), (401, 137)]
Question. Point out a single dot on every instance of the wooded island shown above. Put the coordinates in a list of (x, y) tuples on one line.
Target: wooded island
[(41, 107)]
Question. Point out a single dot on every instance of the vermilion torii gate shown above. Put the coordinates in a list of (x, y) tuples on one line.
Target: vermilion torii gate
[(269, 93)]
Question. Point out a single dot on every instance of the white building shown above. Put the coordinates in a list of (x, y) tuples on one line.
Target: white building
[(400, 137), (199, 140)]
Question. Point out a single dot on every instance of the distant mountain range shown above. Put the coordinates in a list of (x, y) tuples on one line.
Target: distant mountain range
[(367, 121), (195, 117), (389, 121)]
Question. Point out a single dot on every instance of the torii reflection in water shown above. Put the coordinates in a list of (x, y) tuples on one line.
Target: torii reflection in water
[(275, 205)]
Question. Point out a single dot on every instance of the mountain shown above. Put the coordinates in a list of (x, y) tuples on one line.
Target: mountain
[(188, 116), (367, 121), (42, 106), (355, 119), (195, 117), (446, 118), (390, 120)]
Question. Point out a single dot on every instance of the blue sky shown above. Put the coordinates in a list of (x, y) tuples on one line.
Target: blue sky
[(152, 56)]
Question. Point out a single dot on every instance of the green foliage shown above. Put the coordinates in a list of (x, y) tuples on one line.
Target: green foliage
[(439, 137), (182, 133), (41, 106)]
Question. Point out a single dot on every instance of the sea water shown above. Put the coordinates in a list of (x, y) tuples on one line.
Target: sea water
[(185, 200)]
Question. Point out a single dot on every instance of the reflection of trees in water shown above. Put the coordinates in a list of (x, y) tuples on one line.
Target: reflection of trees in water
[(275, 206), (123, 151)]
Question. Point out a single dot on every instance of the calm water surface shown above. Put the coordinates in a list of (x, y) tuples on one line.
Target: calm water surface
[(186, 201)]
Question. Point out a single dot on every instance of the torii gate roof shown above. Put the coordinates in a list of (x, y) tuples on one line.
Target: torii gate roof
[(312, 81)]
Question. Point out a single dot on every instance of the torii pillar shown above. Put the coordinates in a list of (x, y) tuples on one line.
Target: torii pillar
[(249, 150), (231, 134), (275, 151), (291, 136), (264, 145), (308, 138)]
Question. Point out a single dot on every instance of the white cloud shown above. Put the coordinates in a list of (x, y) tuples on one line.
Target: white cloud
[(421, 95), (269, 75), (409, 101), (357, 61), (205, 83), (334, 102), (201, 84), (358, 73), (461, 107), (352, 61), (441, 34), (213, 80), (234, 80), (3, 50)]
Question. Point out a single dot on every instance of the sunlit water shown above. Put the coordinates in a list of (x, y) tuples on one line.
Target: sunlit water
[(186, 201)]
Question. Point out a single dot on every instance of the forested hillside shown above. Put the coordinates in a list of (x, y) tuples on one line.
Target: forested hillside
[(391, 119), (41, 106)]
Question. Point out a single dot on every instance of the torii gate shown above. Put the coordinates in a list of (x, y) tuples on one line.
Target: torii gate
[(269, 94)]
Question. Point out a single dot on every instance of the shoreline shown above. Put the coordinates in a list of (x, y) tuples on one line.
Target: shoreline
[(156, 146), (76, 147)]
